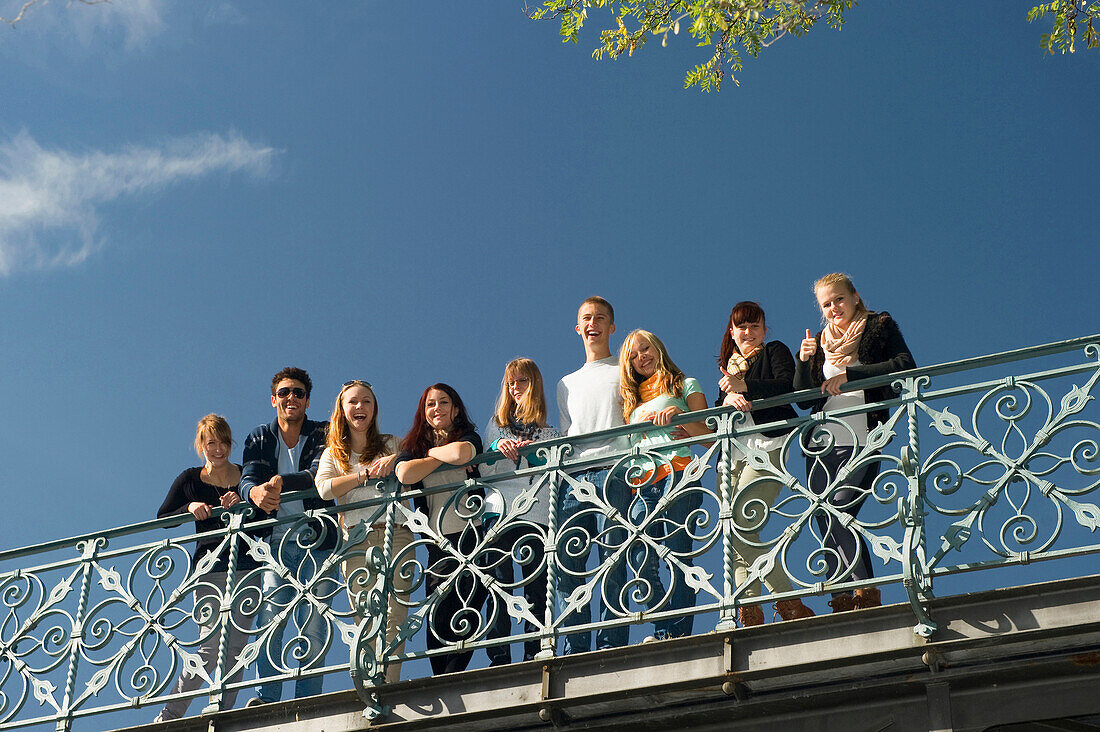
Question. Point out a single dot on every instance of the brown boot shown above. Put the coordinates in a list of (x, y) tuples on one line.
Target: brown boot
[(842, 603), (793, 610), (750, 615), (867, 597)]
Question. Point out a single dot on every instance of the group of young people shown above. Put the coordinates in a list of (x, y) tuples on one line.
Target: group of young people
[(340, 461)]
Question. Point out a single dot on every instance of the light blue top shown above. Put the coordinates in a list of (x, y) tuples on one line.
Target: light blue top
[(662, 435)]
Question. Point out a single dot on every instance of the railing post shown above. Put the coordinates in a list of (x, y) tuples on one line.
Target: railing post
[(382, 641), (727, 616), (365, 678), (225, 615), (916, 578), (549, 640), (88, 550)]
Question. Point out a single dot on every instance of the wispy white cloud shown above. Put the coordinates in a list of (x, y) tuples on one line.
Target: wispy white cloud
[(50, 200)]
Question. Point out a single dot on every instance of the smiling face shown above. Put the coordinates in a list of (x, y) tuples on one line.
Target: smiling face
[(290, 401), (358, 405), (838, 304), (594, 325), (439, 410), (748, 336), (643, 357), (215, 451)]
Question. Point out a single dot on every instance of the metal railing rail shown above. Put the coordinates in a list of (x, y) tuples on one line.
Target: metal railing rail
[(994, 472)]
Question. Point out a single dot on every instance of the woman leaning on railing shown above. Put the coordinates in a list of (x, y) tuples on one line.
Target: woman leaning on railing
[(356, 456), (198, 491), (753, 368)]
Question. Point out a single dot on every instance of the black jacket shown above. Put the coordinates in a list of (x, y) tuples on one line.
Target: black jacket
[(771, 374), (882, 350)]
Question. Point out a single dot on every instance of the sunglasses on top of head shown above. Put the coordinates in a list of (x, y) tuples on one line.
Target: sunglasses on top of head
[(358, 382)]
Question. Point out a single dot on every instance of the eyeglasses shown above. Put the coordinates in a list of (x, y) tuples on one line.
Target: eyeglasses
[(297, 391), (358, 382)]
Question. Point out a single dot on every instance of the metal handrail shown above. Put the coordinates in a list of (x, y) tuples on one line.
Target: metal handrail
[(950, 498)]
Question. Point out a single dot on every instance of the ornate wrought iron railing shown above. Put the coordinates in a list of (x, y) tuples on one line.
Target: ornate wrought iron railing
[(982, 463)]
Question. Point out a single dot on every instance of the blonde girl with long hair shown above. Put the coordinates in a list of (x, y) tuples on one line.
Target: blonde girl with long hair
[(520, 418), (356, 457), (654, 389)]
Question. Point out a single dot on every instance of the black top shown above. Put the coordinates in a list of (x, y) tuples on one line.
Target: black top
[(771, 374), (882, 350), (188, 488), (421, 502)]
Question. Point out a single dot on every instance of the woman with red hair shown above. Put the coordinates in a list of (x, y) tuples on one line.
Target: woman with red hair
[(435, 451)]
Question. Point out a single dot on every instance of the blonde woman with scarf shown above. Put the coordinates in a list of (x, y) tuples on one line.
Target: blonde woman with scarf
[(855, 344), (754, 369), (654, 389)]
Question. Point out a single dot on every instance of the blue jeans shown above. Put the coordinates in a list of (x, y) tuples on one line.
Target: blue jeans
[(667, 529), (586, 528), (310, 626)]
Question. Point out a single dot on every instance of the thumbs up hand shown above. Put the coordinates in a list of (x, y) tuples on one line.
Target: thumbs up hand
[(808, 347)]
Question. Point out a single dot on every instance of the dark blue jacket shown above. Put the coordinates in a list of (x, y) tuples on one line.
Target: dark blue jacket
[(261, 460)]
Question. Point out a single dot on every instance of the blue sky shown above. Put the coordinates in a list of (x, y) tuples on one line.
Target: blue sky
[(193, 195)]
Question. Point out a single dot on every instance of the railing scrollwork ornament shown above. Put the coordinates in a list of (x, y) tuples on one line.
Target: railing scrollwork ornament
[(982, 472), (1029, 458)]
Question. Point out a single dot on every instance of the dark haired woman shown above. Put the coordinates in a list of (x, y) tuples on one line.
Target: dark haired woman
[(442, 435), (855, 344), (754, 368)]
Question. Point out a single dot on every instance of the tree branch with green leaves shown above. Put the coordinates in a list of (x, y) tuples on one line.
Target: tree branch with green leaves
[(1072, 18), (733, 28)]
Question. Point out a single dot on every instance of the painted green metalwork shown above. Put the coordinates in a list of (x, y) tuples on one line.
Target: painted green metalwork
[(986, 470)]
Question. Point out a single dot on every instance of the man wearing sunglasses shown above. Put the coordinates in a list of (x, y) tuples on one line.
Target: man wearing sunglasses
[(279, 458)]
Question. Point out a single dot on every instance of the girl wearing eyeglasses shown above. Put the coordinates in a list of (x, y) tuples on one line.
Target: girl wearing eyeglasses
[(519, 420), (356, 458)]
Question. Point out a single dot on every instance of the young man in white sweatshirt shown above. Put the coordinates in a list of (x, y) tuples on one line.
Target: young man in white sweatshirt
[(589, 401)]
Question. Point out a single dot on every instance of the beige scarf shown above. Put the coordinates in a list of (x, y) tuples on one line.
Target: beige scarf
[(842, 346), (739, 364)]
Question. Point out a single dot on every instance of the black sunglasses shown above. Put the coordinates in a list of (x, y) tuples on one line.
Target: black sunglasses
[(297, 391), (358, 382)]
